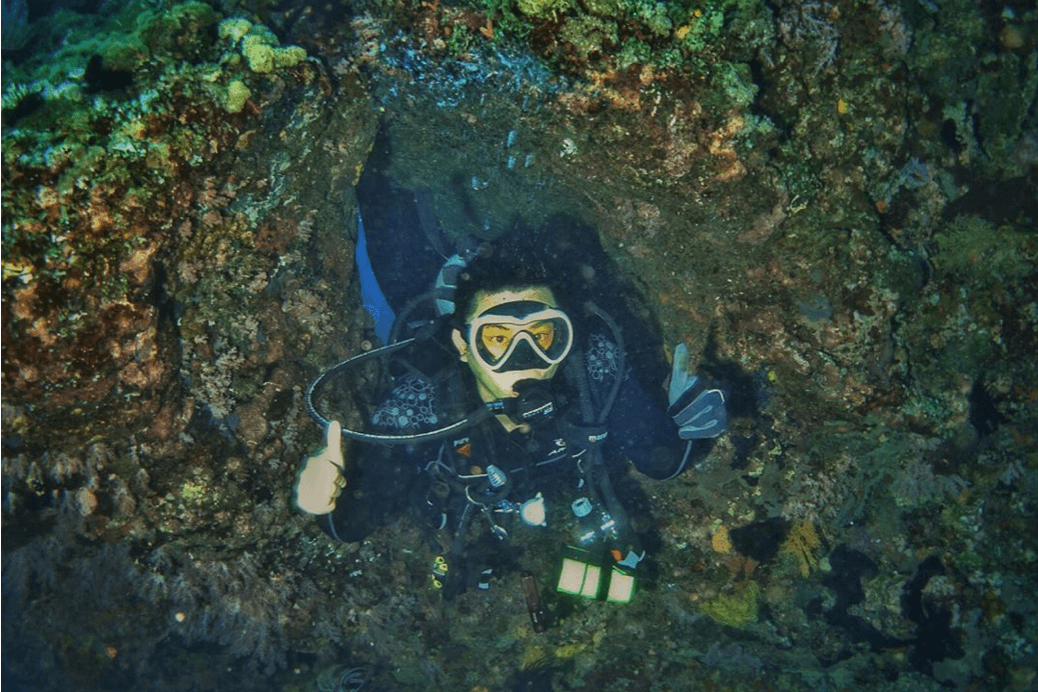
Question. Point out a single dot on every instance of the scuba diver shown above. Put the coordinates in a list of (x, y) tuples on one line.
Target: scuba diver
[(511, 406)]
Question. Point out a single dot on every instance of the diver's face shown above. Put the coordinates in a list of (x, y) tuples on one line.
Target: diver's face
[(513, 335)]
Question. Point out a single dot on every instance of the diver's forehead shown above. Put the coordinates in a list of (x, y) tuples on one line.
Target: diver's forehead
[(487, 300)]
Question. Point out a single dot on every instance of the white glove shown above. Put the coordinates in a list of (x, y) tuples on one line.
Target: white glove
[(321, 480)]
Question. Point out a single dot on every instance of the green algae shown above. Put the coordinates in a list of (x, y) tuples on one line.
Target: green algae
[(734, 85), (738, 609), (605, 8), (588, 34), (542, 8), (259, 46), (970, 242), (237, 95)]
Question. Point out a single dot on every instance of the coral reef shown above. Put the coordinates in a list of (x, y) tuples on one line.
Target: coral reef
[(832, 201)]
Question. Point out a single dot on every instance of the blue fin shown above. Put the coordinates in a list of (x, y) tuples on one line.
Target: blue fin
[(370, 293)]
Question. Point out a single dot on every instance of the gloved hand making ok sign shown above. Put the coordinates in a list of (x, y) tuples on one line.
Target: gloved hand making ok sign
[(320, 480), (698, 412)]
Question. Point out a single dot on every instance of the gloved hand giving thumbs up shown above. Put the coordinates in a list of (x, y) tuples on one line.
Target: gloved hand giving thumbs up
[(698, 412), (320, 481)]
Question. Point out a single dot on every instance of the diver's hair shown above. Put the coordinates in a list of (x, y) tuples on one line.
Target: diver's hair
[(502, 269), (566, 255)]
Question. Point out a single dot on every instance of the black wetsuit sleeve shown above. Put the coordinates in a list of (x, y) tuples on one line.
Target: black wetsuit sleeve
[(638, 422), (640, 427), (377, 486), (335, 523), (381, 479)]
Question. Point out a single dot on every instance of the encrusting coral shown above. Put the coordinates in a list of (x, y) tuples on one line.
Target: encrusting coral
[(801, 542)]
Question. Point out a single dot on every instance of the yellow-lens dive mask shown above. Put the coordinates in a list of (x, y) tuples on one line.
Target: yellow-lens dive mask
[(520, 335)]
